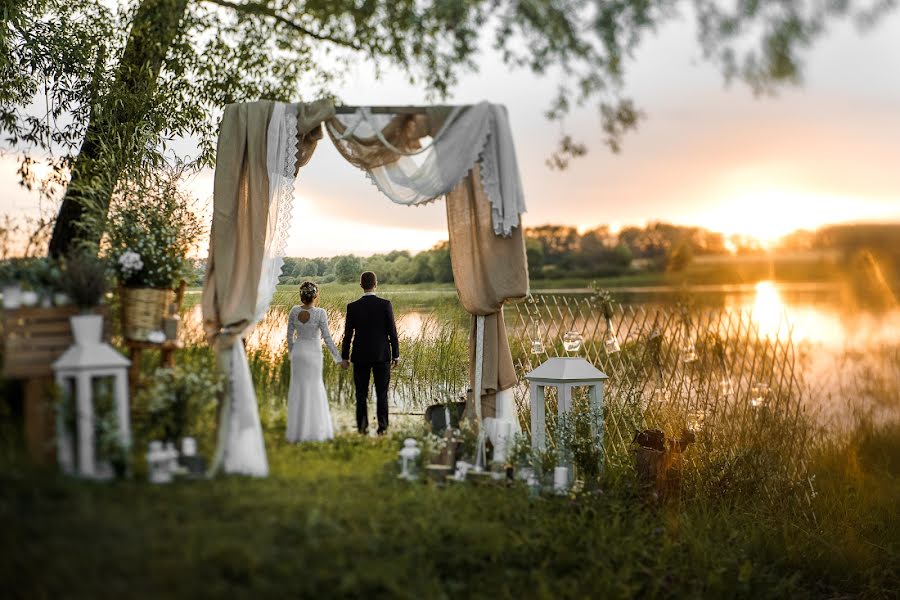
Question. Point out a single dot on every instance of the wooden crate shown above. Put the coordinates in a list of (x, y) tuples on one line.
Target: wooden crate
[(35, 337)]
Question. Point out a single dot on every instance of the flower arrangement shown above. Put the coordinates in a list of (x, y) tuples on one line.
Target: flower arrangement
[(151, 229)]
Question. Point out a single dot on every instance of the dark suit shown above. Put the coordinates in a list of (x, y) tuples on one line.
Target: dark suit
[(370, 343)]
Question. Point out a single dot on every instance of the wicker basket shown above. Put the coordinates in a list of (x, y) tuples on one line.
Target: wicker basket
[(143, 310)]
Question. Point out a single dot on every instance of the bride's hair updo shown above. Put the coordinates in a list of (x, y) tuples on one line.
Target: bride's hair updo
[(308, 292)]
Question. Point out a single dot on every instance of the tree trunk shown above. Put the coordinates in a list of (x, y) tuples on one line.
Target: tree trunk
[(110, 140)]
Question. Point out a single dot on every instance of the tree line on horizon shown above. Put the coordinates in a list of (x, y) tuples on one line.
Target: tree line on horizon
[(560, 251)]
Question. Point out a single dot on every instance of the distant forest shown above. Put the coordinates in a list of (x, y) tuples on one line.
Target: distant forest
[(559, 251)]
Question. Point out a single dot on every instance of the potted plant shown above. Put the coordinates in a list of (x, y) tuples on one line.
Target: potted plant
[(27, 273), (151, 230), (45, 279), (84, 280), (10, 283)]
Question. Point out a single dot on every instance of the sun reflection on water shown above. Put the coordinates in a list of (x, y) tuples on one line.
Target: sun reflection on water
[(768, 310)]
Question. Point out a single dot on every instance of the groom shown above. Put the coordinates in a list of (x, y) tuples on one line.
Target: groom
[(372, 334)]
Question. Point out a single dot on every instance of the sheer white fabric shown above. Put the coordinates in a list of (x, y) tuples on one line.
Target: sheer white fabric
[(242, 449), (470, 135), (309, 418)]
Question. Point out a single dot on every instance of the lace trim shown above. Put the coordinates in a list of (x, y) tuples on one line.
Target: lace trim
[(384, 192), (285, 191), (490, 182)]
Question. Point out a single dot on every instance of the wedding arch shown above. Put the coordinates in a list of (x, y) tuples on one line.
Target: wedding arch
[(469, 160)]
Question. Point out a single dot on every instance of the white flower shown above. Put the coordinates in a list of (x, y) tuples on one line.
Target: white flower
[(131, 262)]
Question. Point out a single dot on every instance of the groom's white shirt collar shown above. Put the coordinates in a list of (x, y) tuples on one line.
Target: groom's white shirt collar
[(369, 294)]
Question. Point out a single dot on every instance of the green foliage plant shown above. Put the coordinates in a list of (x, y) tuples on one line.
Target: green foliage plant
[(84, 278), (174, 400), (152, 218)]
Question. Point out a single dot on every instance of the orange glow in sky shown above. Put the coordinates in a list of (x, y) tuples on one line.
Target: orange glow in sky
[(767, 214)]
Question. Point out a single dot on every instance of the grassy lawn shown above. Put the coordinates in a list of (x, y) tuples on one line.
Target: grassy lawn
[(332, 521)]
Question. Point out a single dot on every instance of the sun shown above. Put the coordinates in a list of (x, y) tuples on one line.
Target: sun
[(767, 214)]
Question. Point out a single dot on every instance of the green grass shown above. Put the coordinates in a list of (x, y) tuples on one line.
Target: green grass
[(332, 521)]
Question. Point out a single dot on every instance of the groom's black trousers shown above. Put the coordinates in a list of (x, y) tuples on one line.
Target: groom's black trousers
[(382, 374)]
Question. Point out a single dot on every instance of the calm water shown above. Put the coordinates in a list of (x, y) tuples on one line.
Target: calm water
[(819, 316)]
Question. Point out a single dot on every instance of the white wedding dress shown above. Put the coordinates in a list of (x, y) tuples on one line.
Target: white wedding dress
[(309, 418)]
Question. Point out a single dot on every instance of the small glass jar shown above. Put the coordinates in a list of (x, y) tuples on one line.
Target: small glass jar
[(688, 352), (695, 420), (759, 394), (572, 341), (611, 343)]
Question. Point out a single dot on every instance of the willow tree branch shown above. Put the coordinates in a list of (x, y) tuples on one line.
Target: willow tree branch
[(254, 8)]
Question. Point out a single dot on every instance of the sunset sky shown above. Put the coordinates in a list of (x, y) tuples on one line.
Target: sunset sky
[(827, 151)]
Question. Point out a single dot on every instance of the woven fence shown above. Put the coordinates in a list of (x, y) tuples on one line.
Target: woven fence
[(675, 367)]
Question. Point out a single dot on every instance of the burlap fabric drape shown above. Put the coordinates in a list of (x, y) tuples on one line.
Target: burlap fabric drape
[(240, 212), (488, 270)]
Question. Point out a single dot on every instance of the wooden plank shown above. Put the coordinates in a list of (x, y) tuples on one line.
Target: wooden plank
[(38, 343), (41, 327), (35, 337)]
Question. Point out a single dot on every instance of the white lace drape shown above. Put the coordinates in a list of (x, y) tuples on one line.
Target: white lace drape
[(473, 134), (242, 447)]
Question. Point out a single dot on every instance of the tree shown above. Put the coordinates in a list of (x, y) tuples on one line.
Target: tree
[(534, 252), (679, 257), (558, 241), (439, 263), (347, 268), (418, 270), (121, 85)]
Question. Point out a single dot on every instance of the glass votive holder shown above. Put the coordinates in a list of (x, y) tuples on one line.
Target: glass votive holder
[(695, 419), (759, 395), (726, 387), (572, 341), (611, 344)]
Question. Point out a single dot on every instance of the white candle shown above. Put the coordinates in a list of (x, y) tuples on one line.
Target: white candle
[(504, 429), (560, 479)]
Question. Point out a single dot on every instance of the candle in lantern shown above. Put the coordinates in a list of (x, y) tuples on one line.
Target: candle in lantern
[(560, 479)]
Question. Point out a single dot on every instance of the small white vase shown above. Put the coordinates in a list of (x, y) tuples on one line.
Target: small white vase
[(87, 329), (30, 298), (61, 299), (12, 296)]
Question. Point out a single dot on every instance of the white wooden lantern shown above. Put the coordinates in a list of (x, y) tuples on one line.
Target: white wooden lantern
[(564, 374), (80, 365), (408, 456)]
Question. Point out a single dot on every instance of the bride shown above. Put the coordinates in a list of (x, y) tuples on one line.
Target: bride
[(309, 418)]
